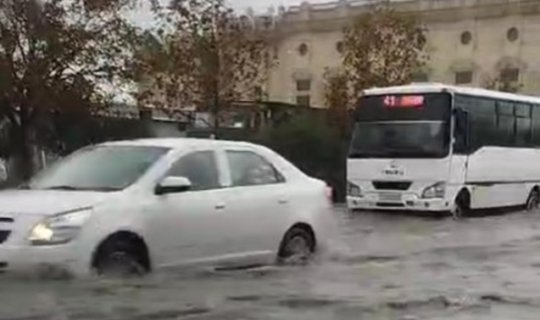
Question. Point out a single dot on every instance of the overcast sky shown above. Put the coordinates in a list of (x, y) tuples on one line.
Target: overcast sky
[(143, 17)]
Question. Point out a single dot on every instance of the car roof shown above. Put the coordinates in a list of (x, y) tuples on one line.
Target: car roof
[(186, 143), (181, 143)]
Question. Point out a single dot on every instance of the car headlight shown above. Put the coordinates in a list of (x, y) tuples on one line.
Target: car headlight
[(437, 190), (59, 229), (353, 190)]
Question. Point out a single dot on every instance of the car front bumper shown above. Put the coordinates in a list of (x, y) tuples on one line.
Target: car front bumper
[(42, 261)]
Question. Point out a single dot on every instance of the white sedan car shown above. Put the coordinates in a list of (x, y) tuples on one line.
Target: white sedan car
[(137, 206)]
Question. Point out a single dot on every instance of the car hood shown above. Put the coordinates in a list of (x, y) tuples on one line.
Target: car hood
[(47, 202)]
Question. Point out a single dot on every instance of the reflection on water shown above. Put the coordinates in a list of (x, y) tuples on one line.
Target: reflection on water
[(378, 267)]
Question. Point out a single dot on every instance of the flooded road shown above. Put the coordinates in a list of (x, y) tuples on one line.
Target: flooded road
[(379, 266)]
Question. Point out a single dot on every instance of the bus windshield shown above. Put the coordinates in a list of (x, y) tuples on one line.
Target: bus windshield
[(402, 126), (395, 139)]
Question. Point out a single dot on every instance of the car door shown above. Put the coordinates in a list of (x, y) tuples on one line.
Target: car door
[(186, 222), (257, 203)]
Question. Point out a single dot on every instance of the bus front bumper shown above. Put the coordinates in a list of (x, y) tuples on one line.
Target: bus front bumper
[(413, 204)]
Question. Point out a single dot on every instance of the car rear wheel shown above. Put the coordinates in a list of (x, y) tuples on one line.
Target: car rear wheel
[(119, 258), (297, 247)]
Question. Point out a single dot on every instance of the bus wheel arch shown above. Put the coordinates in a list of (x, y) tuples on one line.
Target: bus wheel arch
[(462, 204), (533, 200)]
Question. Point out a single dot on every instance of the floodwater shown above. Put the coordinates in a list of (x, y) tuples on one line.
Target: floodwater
[(379, 266)]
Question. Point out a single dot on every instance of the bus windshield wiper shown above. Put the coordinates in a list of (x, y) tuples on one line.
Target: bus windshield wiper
[(74, 188), (63, 187)]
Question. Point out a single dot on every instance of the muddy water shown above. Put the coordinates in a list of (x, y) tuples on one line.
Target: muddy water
[(379, 267)]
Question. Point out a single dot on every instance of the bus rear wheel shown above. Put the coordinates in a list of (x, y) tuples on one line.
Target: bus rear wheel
[(533, 201)]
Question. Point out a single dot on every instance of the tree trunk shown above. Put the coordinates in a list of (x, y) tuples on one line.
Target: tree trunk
[(216, 118), (22, 155), (216, 109)]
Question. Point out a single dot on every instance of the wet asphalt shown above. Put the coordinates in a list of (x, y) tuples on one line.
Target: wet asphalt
[(378, 266)]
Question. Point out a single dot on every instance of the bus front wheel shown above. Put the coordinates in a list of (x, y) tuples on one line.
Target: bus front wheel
[(533, 201), (461, 206)]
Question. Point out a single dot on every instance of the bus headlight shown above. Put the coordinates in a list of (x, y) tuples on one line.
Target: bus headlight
[(353, 190), (59, 229), (436, 191)]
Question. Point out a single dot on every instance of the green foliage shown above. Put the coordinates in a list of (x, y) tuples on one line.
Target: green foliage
[(338, 98), (311, 143)]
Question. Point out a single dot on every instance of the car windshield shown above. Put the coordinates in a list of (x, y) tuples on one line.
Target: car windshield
[(101, 168), (395, 139)]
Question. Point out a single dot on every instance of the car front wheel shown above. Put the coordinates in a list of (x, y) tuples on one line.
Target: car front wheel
[(119, 259), (297, 247), (533, 201), (461, 207)]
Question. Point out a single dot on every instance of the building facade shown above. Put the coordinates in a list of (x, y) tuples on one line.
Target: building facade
[(470, 42)]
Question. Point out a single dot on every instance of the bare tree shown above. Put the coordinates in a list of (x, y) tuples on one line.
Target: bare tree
[(383, 47), (211, 59), (498, 83)]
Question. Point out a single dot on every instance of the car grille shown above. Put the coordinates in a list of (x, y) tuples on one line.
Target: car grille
[(6, 220), (4, 234), (392, 185)]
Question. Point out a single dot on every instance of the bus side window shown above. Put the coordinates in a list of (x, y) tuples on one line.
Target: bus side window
[(523, 125), (481, 118), (505, 124), (461, 131), (536, 125)]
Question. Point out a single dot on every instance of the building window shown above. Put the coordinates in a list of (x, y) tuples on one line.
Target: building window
[(303, 49), (303, 85), (466, 37), (509, 75), (464, 77), (512, 34), (340, 47), (303, 100)]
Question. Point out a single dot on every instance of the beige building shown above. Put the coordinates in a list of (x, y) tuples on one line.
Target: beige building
[(469, 42)]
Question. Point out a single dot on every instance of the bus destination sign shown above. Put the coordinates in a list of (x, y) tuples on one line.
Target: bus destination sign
[(403, 101)]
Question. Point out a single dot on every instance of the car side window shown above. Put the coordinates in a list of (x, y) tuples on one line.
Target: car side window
[(248, 168), (200, 168)]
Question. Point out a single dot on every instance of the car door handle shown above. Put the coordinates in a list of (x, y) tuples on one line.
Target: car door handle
[(283, 201), (220, 206)]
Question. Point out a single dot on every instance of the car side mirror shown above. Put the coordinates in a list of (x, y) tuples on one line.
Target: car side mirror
[(173, 185)]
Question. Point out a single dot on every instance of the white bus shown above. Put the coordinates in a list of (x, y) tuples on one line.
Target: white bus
[(433, 147)]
